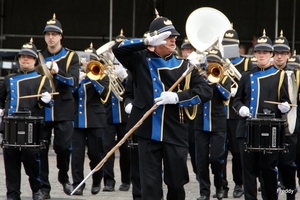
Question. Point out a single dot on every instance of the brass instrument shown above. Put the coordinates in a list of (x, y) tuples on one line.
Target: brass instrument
[(214, 72), (231, 72), (115, 82), (94, 70)]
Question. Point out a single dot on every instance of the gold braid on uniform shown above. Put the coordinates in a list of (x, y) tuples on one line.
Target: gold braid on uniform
[(186, 87), (226, 103), (103, 101)]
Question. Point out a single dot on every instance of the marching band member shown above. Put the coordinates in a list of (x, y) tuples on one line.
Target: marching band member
[(286, 162), (116, 124), (264, 82), (186, 50), (26, 81), (64, 65), (89, 123), (294, 61), (129, 93), (241, 64), (210, 132), (163, 136)]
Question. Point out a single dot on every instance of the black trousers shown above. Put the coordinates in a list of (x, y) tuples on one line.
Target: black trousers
[(210, 148), (135, 171), (258, 164), (13, 157), (153, 156), (232, 145), (287, 166), (92, 139), (62, 147), (109, 141), (298, 156), (192, 146)]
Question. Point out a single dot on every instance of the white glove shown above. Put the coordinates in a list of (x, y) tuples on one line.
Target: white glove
[(284, 107), (121, 72), (167, 98), (158, 39), (128, 108), (244, 111), (82, 75), (233, 91), (52, 66), (46, 97), (1, 112)]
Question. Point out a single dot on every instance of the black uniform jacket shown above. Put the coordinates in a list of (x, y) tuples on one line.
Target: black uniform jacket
[(89, 96), (153, 75), (255, 87), (241, 64), (67, 77), (211, 115), (23, 84)]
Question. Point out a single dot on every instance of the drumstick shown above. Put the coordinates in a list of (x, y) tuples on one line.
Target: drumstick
[(36, 95), (274, 102)]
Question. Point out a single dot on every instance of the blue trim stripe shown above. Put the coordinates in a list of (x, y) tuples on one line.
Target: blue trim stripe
[(207, 116), (193, 101), (225, 93), (61, 54), (67, 80), (127, 42), (115, 107)]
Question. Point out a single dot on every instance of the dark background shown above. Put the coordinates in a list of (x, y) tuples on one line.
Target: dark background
[(88, 21)]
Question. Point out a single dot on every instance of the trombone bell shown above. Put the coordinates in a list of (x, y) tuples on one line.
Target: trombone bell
[(214, 72), (95, 70)]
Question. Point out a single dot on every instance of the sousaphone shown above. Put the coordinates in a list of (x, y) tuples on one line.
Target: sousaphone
[(206, 26)]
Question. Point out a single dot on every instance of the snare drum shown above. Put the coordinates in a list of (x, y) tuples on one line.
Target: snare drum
[(23, 131), (266, 135)]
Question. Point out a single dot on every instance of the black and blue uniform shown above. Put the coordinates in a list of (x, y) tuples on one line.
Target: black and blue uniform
[(60, 117), (163, 135), (13, 87)]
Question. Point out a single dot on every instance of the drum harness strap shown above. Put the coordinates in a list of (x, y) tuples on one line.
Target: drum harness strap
[(280, 82), (40, 88)]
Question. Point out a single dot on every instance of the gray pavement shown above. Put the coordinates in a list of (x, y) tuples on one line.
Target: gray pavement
[(192, 188)]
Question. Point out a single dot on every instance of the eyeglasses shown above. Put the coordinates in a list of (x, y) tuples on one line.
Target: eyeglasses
[(281, 53)]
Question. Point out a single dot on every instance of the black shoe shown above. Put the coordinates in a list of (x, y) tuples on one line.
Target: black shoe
[(108, 188), (79, 191), (38, 195), (67, 188), (238, 191), (225, 194), (95, 189), (220, 193), (281, 186), (124, 187), (46, 194), (203, 198)]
